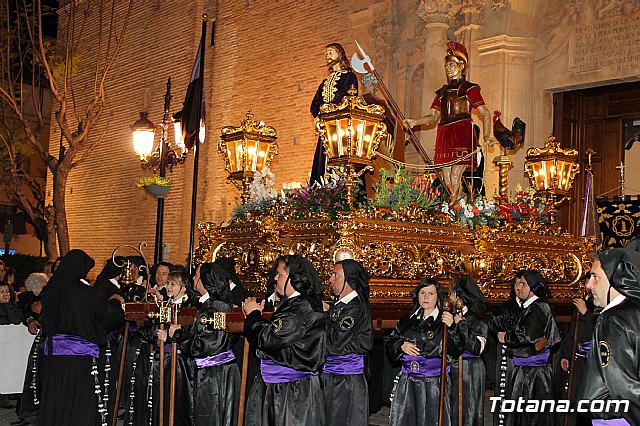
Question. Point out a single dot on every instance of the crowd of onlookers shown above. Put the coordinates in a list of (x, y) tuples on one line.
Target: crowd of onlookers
[(20, 304)]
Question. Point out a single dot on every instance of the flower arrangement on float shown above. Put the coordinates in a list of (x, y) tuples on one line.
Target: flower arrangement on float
[(398, 196)]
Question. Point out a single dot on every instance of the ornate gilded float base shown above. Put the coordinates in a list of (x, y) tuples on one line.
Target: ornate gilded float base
[(398, 254)]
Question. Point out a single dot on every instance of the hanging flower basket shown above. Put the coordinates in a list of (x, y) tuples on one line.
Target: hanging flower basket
[(158, 191), (155, 185)]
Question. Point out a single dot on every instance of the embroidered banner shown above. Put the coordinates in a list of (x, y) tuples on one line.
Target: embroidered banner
[(619, 220)]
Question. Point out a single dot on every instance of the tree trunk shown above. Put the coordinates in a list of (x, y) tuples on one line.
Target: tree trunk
[(59, 208), (51, 247)]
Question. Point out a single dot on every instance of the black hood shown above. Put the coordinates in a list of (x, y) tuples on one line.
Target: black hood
[(357, 277), (536, 283), (303, 276), (230, 265), (215, 280), (468, 290), (622, 267)]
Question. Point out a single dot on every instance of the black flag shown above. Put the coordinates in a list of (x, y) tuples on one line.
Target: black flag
[(193, 109)]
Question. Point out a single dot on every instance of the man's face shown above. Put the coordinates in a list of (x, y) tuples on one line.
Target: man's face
[(599, 284), (281, 279), (336, 280), (2, 272), (523, 291), (331, 55), (453, 69), (5, 294), (162, 272)]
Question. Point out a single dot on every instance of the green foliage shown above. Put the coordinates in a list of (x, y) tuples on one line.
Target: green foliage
[(153, 180), (397, 189)]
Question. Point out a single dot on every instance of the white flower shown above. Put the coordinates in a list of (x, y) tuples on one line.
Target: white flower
[(468, 210)]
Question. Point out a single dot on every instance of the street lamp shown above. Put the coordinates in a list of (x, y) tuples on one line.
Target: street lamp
[(165, 155)]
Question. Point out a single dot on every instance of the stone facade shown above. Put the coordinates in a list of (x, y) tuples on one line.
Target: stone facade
[(267, 57)]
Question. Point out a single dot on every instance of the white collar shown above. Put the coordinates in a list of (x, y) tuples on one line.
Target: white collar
[(294, 294), (115, 282), (529, 301), (232, 285), (85, 281), (615, 302), (139, 280), (465, 310), (433, 313), (182, 299), (348, 298), (204, 298)]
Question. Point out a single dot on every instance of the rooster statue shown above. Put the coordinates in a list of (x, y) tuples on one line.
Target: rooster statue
[(509, 139)]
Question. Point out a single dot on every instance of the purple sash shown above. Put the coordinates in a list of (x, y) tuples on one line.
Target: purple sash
[(213, 360), (344, 365), (276, 373), (583, 349), (538, 360), (610, 422), (68, 344), (467, 354), (421, 366), (167, 349)]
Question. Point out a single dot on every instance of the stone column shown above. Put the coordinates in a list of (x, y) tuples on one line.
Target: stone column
[(437, 15), (505, 72)]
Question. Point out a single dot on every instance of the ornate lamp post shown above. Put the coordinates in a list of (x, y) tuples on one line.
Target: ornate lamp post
[(247, 149), (551, 172), (165, 155), (351, 133)]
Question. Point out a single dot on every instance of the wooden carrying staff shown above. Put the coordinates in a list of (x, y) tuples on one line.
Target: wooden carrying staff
[(142, 313), (443, 366)]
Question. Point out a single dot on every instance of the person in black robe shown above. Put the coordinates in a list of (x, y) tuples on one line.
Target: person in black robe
[(472, 331), (216, 381), (417, 343), (578, 360), (75, 322), (349, 338), (238, 292), (531, 340), (331, 91), (291, 348), (31, 306), (503, 370), (612, 371), (176, 293)]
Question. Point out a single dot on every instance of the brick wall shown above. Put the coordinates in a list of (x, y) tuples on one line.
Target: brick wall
[(267, 57)]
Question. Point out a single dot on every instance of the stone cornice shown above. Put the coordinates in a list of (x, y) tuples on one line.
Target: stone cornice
[(504, 42)]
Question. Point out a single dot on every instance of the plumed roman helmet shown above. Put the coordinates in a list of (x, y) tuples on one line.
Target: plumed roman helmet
[(357, 277), (458, 53)]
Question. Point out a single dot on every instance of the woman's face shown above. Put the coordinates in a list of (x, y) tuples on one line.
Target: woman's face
[(5, 294), (428, 297), (175, 290)]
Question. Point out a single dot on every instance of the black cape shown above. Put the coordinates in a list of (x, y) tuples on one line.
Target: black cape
[(293, 338), (72, 307), (349, 331), (415, 400), (535, 323)]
